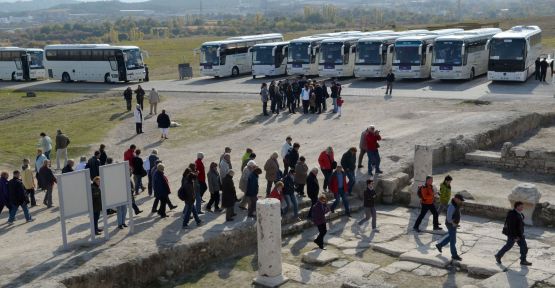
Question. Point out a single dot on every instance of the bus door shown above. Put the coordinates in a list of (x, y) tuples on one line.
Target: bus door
[(25, 67), (122, 71)]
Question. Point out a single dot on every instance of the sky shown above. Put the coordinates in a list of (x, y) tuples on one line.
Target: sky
[(79, 0)]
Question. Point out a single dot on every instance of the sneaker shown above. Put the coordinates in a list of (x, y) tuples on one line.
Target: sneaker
[(120, 227), (497, 259), (438, 248), (456, 257), (376, 230), (199, 223), (30, 220), (185, 226), (379, 172), (437, 228), (525, 263), (360, 166)]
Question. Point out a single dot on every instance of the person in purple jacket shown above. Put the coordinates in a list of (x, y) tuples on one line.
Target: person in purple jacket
[(319, 211)]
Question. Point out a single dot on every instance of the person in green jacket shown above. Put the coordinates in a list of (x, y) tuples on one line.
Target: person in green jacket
[(444, 194)]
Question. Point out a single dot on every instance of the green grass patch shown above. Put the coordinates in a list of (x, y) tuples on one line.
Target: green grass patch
[(85, 123), (549, 43), (12, 100), (476, 102)]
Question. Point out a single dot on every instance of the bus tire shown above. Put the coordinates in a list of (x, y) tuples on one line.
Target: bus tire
[(472, 74), (253, 76), (13, 76), (66, 78), (234, 71), (107, 79)]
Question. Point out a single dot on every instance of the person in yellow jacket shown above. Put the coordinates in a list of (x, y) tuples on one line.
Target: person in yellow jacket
[(28, 182), (444, 194)]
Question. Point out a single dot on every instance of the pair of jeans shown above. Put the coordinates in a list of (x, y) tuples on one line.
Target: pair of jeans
[(14, 209), (198, 200), (341, 196), (321, 233), (48, 196), (373, 160), (423, 211), (300, 189), (305, 106), (215, 200), (291, 200), (47, 154), (96, 216), (187, 214), (59, 154), (252, 205), (450, 238), (265, 107), (510, 243), (334, 100), (351, 176), (327, 174), (122, 213), (138, 183), (369, 212)]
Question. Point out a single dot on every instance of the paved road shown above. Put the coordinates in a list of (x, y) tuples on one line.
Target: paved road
[(479, 88)]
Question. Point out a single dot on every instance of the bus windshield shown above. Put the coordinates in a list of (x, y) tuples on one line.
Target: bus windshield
[(209, 55), (331, 53), (298, 53), (262, 55), (448, 53), (133, 59), (369, 53), (36, 58), (507, 49), (406, 53)]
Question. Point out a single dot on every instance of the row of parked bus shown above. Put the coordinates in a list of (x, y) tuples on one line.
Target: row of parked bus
[(415, 54), (79, 62)]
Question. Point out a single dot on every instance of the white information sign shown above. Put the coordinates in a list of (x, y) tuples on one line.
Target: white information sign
[(115, 187)]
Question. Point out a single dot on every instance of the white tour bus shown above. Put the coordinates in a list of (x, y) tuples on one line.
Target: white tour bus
[(374, 56), (337, 55), (94, 63), (230, 57), (512, 54), (269, 59), (304, 53), (413, 54), (462, 55), (18, 64)]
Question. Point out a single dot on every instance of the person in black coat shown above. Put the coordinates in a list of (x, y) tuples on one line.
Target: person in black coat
[(292, 156), (153, 160), (69, 167), (138, 171), (348, 162), (188, 188), (543, 69), (128, 96), (16, 192), (514, 230), (537, 70), (140, 95), (164, 124), (94, 165), (229, 195), (320, 98), (161, 189), (312, 188), (103, 156), (389, 79)]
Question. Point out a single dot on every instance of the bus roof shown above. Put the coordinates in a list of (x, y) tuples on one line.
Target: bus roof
[(87, 46), (340, 39), (391, 36), (445, 31), (519, 32), (272, 44), (19, 49), (308, 39), (239, 39), (470, 34)]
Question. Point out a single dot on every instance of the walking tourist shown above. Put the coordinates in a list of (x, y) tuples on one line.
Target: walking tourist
[(47, 181), (348, 162), (128, 96), (389, 80), (82, 163), (103, 156), (45, 144), (97, 203), (164, 124), (444, 194), (289, 195), (138, 172), (338, 186), (452, 222), (28, 182), (17, 198), (94, 165), (138, 116), (152, 162), (225, 165), (129, 154), (201, 179), (327, 164), (153, 100), (161, 189), (369, 199), (301, 173), (140, 96), (264, 97), (244, 182), (292, 157), (4, 193), (372, 145), (340, 102), (271, 167), (214, 187), (427, 193), (69, 166), (189, 199), (319, 211), (229, 195), (312, 189), (514, 230), (252, 191), (285, 148), (62, 141), (362, 146)]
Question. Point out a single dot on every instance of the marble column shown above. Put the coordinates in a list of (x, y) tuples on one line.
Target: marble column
[(529, 195), (423, 163)]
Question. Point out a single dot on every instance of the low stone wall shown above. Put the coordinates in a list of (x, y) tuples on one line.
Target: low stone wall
[(515, 159)]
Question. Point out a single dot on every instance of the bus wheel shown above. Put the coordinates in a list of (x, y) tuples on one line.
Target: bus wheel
[(107, 79), (66, 78), (13, 76), (253, 76), (472, 74), (235, 71)]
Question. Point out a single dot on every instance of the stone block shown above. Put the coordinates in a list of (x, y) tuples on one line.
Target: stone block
[(357, 269), (425, 270), (388, 189), (506, 149), (519, 152), (530, 196), (483, 156), (395, 267), (319, 257), (305, 276), (425, 255)]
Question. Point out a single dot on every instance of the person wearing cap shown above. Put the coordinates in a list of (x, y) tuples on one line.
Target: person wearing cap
[(427, 193), (138, 115), (62, 141), (452, 221)]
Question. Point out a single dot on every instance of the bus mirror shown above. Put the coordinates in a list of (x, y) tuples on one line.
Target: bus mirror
[(487, 45), (420, 49), (342, 50), (273, 51), (218, 52), (463, 48), (380, 51)]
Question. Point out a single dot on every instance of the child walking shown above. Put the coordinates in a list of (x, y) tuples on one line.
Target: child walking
[(339, 105)]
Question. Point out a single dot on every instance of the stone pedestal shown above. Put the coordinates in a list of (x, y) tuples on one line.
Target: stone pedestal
[(528, 194), (268, 230), (423, 163)]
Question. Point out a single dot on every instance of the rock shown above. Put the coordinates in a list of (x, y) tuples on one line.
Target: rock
[(402, 244), (519, 151), (372, 281), (506, 149), (335, 241), (319, 257), (425, 270), (427, 256), (355, 244), (169, 273), (305, 276), (466, 195), (339, 263), (354, 251), (507, 279), (31, 94), (357, 269), (530, 196), (399, 266), (174, 124), (481, 265)]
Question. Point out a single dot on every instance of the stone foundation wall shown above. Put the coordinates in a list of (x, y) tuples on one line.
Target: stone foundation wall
[(515, 159)]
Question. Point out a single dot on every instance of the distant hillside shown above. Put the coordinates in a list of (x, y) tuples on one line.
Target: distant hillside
[(166, 6), (21, 6)]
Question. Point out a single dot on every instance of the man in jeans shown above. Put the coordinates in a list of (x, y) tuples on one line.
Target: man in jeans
[(48, 180), (514, 229), (348, 162), (62, 141), (452, 222), (338, 185), (372, 138), (369, 202)]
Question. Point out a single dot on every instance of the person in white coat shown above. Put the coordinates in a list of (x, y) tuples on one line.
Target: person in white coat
[(284, 151), (153, 99), (138, 113)]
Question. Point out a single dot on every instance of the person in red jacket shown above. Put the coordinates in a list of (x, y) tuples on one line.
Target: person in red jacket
[(372, 138), (338, 185), (276, 192), (129, 154), (427, 193), (201, 177), (327, 164)]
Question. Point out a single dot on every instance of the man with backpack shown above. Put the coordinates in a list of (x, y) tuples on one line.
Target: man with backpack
[(514, 230), (452, 222), (427, 194)]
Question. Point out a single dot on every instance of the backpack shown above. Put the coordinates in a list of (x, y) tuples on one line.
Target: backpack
[(419, 192), (181, 193)]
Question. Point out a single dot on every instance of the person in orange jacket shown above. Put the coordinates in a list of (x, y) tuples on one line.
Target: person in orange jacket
[(338, 185), (427, 193)]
